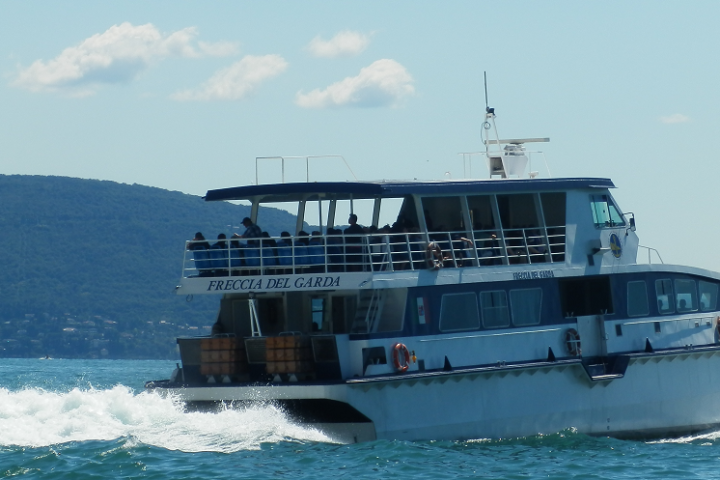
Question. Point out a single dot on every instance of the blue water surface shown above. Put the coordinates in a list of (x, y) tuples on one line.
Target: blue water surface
[(85, 419)]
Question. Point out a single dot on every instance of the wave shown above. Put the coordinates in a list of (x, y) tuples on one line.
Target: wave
[(34, 417)]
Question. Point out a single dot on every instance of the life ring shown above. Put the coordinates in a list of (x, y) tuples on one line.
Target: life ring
[(399, 350), (572, 342), (434, 256)]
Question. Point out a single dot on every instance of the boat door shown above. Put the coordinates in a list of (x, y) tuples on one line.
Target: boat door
[(591, 329)]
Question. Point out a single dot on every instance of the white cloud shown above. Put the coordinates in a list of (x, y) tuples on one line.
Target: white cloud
[(344, 44), (117, 55), (237, 80), (383, 83), (675, 118)]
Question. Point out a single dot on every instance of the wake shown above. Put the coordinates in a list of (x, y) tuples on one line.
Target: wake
[(35, 418)]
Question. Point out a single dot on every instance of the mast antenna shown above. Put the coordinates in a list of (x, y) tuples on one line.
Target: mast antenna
[(487, 105)]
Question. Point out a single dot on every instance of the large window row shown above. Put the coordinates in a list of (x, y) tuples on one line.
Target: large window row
[(681, 295), (491, 309)]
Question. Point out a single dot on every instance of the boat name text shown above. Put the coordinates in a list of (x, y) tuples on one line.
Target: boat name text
[(533, 275), (273, 283)]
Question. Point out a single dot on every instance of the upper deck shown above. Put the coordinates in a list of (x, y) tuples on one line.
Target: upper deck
[(437, 224)]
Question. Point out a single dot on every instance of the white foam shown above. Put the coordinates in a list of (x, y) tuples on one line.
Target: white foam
[(35, 418), (710, 436)]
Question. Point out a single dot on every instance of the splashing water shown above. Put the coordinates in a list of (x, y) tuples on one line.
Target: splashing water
[(34, 417)]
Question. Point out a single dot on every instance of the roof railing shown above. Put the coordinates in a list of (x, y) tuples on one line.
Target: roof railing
[(298, 157)]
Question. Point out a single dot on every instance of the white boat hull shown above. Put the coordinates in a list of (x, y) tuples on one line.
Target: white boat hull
[(660, 394)]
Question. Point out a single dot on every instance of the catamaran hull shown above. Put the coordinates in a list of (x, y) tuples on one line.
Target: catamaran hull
[(659, 395)]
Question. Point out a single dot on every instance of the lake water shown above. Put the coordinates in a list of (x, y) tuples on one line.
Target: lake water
[(85, 419)]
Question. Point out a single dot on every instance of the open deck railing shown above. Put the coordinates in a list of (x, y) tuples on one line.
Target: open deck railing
[(377, 252)]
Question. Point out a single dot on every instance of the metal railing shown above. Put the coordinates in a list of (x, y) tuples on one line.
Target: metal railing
[(373, 252), (650, 250)]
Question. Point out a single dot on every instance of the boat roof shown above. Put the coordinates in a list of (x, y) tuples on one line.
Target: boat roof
[(289, 192)]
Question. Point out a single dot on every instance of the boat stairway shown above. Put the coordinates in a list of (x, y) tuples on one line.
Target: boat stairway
[(606, 368)]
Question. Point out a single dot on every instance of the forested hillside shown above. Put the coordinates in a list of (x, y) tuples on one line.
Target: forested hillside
[(89, 267)]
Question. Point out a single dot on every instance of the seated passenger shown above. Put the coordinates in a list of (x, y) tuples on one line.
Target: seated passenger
[(201, 257), (269, 250), (198, 243), (284, 250), (219, 255), (316, 252)]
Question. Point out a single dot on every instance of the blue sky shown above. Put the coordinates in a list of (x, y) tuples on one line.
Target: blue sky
[(185, 95)]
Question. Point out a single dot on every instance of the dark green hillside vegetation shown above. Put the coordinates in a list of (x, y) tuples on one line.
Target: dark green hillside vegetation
[(89, 267)]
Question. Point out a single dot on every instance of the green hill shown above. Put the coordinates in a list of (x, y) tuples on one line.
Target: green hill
[(89, 267)]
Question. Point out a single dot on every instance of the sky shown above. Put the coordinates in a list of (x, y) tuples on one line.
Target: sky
[(185, 95)]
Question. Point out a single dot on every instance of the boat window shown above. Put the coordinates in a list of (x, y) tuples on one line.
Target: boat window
[(526, 306), (494, 309), (397, 210), (708, 296), (586, 296), (363, 208), (664, 293), (605, 213), (392, 311), (553, 205), (637, 299), (407, 216), (517, 211), (481, 214), (317, 308), (443, 214), (685, 295), (459, 311)]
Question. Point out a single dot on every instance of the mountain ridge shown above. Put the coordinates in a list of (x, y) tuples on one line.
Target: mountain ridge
[(105, 256)]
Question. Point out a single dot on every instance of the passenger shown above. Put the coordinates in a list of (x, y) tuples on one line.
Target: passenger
[(219, 255), (316, 252), (300, 251), (434, 256), (251, 231), (221, 243), (353, 245), (536, 246), (236, 254), (269, 250), (199, 246), (490, 252), (462, 249), (199, 243), (284, 251)]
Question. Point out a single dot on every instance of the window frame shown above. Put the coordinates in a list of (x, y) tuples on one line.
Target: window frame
[(506, 306), (443, 299)]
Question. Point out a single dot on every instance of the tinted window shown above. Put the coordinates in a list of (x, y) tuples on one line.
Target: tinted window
[(637, 299), (708, 296), (459, 311), (665, 298), (494, 309), (605, 213), (685, 295), (526, 306)]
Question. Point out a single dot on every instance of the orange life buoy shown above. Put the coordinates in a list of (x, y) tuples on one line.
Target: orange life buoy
[(572, 342), (399, 350)]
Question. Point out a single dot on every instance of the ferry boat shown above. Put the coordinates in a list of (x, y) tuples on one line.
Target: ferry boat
[(504, 307)]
